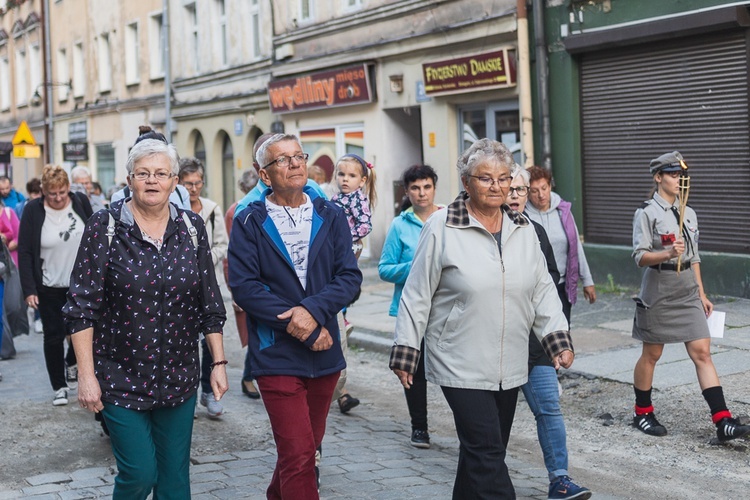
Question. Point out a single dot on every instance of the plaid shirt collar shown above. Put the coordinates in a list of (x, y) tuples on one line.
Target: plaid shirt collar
[(458, 214)]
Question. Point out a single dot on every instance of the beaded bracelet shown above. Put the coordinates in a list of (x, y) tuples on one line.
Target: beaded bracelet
[(217, 363)]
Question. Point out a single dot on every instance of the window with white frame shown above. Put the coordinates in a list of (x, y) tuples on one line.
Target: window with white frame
[(4, 85), (352, 4), (35, 68), (191, 20), (305, 10), (223, 42), (105, 63), (132, 42), (79, 71), (22, 84), (156, 46), (255, 26), (63, 74)]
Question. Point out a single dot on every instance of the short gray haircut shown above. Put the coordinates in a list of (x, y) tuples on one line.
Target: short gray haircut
[(191, 165), (262, 157), (151, 147), (517, 171), (248, 180), (80, 171), (483, 151)]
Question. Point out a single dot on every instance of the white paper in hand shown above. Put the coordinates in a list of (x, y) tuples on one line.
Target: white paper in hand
[(716, 324)]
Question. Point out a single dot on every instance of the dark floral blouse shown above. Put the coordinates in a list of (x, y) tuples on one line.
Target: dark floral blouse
[(147, 307)]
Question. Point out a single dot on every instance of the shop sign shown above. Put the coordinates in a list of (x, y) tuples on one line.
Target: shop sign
[(75, 151), (491, 70), (327, 89)]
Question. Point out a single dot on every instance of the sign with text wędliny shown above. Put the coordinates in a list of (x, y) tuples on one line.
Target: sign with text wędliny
[(479, 72), (327, 89)]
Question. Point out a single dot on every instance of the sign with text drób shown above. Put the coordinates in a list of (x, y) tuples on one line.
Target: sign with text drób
[(327, 89), (478, 72), (75, 151)]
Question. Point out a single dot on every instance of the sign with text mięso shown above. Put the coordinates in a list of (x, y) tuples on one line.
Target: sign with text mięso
[(326, 89)]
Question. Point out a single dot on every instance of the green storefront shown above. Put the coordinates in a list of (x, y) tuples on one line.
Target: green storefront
[(628, 81)]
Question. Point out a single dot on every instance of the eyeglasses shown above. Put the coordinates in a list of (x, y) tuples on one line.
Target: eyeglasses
[(284, 161), (489, 181), (193, 185), (159, 176), (521, 191)]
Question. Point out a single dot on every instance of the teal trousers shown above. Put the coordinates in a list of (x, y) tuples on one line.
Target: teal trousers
[(152, 449)]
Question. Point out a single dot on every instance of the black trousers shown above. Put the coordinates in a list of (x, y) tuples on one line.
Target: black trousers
[(416, 396), (566, 305), (51, 302), (206, 360), (483, 420)]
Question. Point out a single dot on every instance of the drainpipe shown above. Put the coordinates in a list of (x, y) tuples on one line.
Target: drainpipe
[(49, 121), (524, 84), (167, 73), (542, 72)]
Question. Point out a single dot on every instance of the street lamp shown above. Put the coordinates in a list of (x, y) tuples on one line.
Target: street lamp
[(36, 99), (49, 116)]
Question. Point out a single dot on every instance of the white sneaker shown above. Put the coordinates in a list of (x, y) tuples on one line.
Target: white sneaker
[(38, 328), (61, 397)]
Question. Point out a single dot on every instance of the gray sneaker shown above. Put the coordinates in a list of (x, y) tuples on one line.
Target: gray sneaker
[(61, 397), (215, 408)]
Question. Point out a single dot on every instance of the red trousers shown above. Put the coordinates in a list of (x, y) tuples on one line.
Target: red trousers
[(297, 408)]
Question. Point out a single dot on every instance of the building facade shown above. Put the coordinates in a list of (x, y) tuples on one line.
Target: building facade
[(398, 82), (631, 80)]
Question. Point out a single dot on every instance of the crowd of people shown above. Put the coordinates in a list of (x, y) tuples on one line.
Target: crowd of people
[(130, 293)]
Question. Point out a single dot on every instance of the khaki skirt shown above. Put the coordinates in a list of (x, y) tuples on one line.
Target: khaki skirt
[(669, 309)]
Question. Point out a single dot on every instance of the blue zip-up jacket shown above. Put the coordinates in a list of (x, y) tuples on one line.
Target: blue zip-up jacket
[(264, 284), (398, 252)]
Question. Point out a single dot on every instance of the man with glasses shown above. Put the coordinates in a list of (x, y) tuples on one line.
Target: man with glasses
[(256, 193), (292, 269)]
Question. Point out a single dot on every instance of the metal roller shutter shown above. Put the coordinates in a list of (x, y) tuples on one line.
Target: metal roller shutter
[(638, 102)]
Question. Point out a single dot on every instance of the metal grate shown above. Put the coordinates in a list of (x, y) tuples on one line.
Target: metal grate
[(687, 94)]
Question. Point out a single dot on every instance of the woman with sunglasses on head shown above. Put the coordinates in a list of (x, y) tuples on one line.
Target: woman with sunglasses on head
[(48, 237), (143, 293)]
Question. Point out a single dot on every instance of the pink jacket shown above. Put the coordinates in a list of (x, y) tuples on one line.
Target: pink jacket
[(9, 227)]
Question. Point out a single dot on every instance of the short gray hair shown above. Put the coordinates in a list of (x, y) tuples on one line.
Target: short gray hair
[(517, 171), (261, 156), (191, 165), (482, 151), (80, 171), (248, 180), (151, 147)]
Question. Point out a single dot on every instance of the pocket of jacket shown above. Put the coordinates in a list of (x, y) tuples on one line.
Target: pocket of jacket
[(448, 333), (266, 336)]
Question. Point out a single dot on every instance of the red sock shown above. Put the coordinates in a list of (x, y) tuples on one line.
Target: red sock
[(716, 417), (640, 410)]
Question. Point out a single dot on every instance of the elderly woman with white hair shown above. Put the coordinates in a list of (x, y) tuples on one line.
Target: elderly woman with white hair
[(541, 391), (478, 285), (142, 293)]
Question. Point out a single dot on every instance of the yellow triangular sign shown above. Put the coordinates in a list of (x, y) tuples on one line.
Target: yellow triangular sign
[(23, 135)]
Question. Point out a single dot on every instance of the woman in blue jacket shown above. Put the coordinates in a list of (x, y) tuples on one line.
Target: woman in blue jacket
[(292, 269), (419, 182)]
